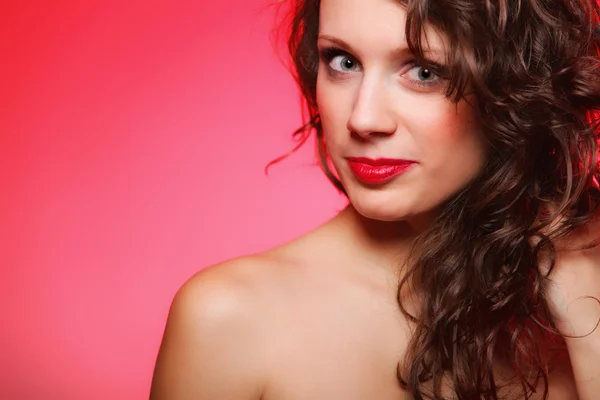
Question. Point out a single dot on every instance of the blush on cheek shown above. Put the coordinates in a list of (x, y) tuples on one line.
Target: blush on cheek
[(450, 124)]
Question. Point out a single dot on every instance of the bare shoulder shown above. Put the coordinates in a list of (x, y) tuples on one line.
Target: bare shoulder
[(215, 340), (223, 288)]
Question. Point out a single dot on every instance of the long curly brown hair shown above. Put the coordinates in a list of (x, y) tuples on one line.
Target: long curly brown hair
[(534, 68)]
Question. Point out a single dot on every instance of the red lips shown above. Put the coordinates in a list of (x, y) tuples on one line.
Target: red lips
[(377, 171)]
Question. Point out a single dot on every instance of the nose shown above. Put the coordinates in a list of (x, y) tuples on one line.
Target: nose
[(372, 110)]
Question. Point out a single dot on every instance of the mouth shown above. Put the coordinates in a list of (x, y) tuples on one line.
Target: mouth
[(377, 171)]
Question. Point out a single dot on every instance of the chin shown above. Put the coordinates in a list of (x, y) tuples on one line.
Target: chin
[(380, 206), (378, 215)]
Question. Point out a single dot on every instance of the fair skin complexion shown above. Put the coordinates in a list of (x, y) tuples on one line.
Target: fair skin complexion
[(318, 318)]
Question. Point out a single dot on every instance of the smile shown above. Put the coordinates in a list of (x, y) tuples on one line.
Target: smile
[(377, 171)]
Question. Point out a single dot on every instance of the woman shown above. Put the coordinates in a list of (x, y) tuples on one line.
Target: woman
[(465, 136)]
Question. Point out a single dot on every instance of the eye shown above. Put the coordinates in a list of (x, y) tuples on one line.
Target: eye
[(422, 74), (338, 60), (342, 63)]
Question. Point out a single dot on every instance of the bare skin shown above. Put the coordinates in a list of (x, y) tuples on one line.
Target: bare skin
[(316, 318)]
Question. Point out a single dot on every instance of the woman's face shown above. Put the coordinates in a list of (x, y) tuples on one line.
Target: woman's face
[(398, 145)]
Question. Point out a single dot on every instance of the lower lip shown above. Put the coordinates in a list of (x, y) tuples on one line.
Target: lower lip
[(377, 174)]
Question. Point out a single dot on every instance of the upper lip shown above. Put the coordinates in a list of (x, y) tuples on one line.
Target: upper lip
[(379, 161)]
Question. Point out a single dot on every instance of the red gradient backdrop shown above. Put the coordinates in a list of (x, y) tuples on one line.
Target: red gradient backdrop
[(133, 137)]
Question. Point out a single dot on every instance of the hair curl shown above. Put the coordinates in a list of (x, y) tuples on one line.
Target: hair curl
[(534, 68)]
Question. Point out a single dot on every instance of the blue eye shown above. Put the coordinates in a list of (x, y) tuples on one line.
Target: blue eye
[(344, 63), (424, 73), (339, 60), (423, 76), (341, 63)]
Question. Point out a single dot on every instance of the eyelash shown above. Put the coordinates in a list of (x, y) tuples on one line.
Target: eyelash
[(329, 53)]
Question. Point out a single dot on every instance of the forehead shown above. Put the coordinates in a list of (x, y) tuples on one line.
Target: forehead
[(369, 23)]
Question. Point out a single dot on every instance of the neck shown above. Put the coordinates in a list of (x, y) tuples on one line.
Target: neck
[(386, 243)]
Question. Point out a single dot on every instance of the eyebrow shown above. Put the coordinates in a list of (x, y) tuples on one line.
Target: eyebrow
[(395, 53)]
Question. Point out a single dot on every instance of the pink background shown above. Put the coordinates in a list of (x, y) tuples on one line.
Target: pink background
[(133, 137)]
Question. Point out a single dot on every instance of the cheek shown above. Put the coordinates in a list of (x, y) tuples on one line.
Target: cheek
[(450, 132), (333, 109), (325, 96)]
